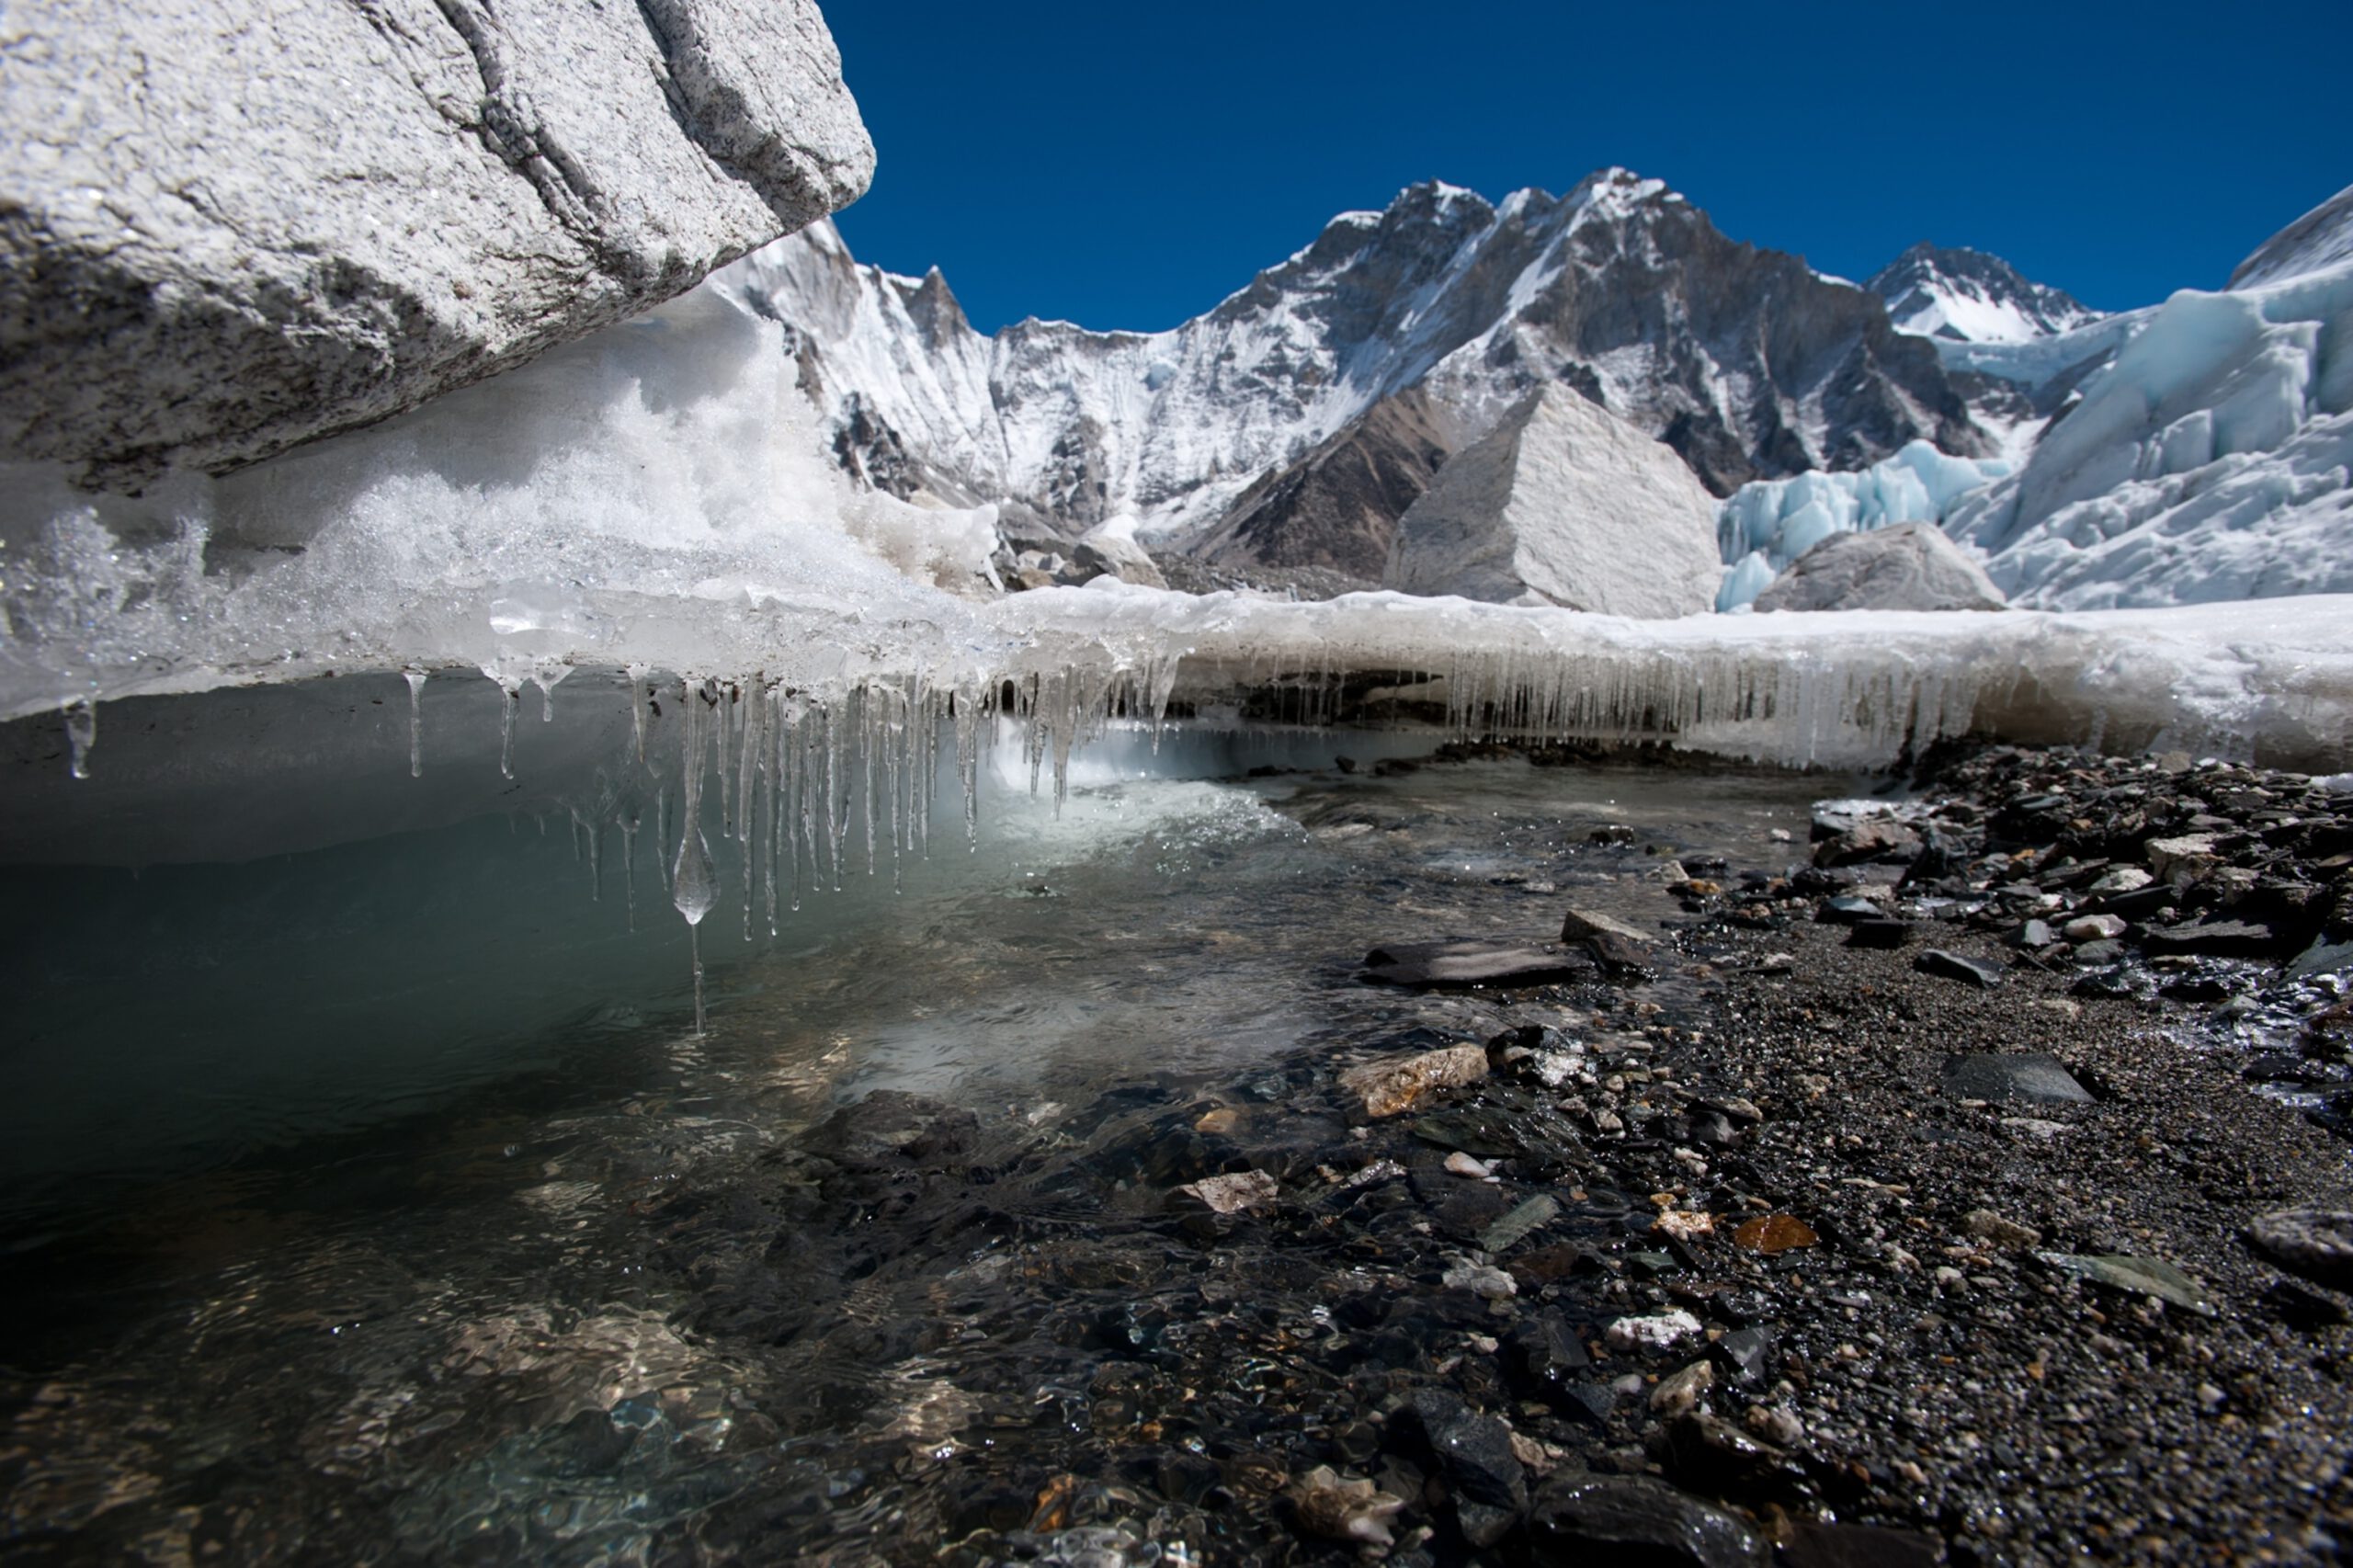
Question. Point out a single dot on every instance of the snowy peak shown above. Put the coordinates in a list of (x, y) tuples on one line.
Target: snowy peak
[(2321, 238), (1966, 296)]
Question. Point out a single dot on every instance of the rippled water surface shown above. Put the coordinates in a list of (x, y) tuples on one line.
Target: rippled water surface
[(466, 1288)]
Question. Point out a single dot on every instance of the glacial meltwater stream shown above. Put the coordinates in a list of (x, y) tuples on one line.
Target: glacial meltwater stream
[(373, 1198)]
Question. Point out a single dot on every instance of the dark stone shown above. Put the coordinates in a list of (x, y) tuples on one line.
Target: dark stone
[(1544, 1358), (2102, 950), (2305, 1310), (1579, 1518), (590, 1444), (1468, 963), (1711, 1454), (1952, 966), (1859, 1546), (2138, 904), (1743, 1353), (2030, 1075), (1880, 934), (1474, 1452), (1847, 910)]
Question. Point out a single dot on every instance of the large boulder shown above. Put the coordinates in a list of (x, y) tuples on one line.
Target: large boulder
[(1909, 566), (226, 229), (1564, 504)]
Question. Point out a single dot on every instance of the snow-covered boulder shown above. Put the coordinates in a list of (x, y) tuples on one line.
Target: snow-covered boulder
[(1909, 566), (236, 226), (1110, 547), (1563, 504)]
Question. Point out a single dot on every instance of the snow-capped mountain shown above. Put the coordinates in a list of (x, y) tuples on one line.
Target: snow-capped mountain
[(1971, 296), (1272, 428)]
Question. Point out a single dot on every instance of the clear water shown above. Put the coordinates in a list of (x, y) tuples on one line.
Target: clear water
[(338, 1181)]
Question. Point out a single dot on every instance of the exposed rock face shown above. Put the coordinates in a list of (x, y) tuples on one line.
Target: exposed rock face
[(1968, 296), (1563, 504), (228, 229), (1909, 566), (1268, 429)]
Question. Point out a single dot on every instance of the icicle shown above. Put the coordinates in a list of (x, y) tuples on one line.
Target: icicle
[(547, 675), (662, 831), (836, 802), (773, 761), (694, 881), (595, 831), (415, 678), (628, 866), (720, 699), (746, 800), (638, 693), (508, 696), (81, 733)]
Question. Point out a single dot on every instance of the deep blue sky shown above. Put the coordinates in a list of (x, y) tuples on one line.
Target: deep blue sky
[(1129, 166)]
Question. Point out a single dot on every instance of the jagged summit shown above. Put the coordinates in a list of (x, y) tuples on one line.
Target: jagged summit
[(1968, 296)]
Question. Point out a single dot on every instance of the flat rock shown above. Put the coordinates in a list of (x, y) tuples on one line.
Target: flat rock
[(1578, 1518), (1475, 963), (319, 216), (2217, 938), (1578, 924), (1953, 966), (2140, 1275), (2314, 1242), (2025, 1075)]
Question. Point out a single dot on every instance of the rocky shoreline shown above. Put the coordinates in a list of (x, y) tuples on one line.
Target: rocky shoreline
[(1926, 1216)]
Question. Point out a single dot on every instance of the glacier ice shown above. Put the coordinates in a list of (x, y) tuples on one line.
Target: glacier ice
[(2209, 460), (1775, 521)]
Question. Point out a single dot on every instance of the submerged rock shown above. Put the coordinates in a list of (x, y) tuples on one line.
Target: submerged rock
[(315, 216), (1578, 1519), (1388, 1086), (1475, 963)]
